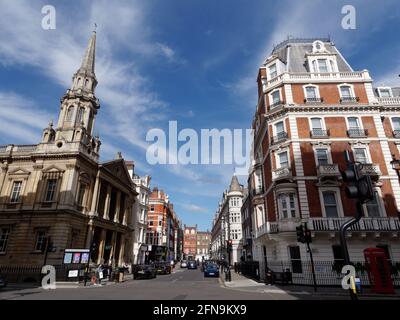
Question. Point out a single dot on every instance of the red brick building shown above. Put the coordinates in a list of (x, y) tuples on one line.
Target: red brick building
[(189, 242), (162, 227), (312, 106)]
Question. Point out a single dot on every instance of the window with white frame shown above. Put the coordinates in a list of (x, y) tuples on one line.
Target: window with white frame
[(345, 92), (279, 129), (283, 159), (396, 123), (16, 191), (354, 123), (260, 216), (287, 205), (273, 72), (322, 156), (311, 92), (385, 92), (373, 208), (330, 204), (322, 65), (276, 97), (316, 123), (361, 155), (4, 235)]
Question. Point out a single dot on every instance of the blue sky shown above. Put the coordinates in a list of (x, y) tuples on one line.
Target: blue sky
[(193, 61)]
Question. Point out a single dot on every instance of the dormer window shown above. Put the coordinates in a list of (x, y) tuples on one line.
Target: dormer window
[(322, 65), (385, 92), (273, 72)]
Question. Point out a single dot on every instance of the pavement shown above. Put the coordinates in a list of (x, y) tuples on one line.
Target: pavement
[(242, 283), (182, 284)]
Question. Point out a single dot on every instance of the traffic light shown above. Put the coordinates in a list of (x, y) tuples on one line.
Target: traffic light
[(307, 235), (93, 247), (359, 186), (300, 234), (229, 245)]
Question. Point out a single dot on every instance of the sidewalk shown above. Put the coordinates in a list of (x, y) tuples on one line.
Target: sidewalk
[(242, 283)]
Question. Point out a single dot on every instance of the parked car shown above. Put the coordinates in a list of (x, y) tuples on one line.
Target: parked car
[(192, 265), (163, 268), (184, 264), (3, 282), (144, 272), (211, 270)]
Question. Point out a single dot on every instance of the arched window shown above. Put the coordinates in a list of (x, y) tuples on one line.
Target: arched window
[(87, 83), (80, 115), (70, 112)]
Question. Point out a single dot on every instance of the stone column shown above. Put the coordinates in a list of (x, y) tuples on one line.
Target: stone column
[(101, 245), (95, 197), (90, 232), (107, 204), (113, 245), (121, 250), (117, 207)]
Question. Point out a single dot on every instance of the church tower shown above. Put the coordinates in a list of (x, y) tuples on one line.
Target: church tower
[(78, 110)]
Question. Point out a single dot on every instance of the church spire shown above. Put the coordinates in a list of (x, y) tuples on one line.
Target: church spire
[(85, 78), (90, 55), (79, 107)]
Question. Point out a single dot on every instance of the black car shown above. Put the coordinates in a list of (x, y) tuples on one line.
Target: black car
[(163, 268), (192, 264), (144, 272), (3, 282), (211, 270)]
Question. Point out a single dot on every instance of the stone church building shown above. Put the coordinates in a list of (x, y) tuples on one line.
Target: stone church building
[(57, 191)]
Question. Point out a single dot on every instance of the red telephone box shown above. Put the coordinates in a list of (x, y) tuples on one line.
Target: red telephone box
[(378, 270)]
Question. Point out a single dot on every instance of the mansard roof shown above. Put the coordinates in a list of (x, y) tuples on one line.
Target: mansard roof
[(292, 52)]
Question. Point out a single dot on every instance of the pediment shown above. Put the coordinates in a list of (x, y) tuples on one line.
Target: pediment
[(53, 168), (119, 170), (19, 172)]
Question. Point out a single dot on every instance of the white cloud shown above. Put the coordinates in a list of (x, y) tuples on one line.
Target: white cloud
[(194, 208), (20, 119)]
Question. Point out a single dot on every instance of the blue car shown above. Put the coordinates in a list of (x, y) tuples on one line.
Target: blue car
[(211, 270)]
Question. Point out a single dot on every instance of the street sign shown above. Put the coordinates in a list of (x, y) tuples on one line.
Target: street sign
[(73, 273)]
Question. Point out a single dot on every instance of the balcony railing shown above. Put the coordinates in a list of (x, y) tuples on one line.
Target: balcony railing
[(319, 133), (280, 137), (281, 173), (365, 224), (318, 76), (349, 99), (389, 100), (396, 134), (328, 170), (370, 169), (313, 100), (268, 227), (276, 104), (23, 148), (357, 133)]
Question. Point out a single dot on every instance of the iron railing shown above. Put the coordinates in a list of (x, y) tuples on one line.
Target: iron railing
[(280, 137), (328, 273), (349, 99), (357, 133), (319, 133)]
